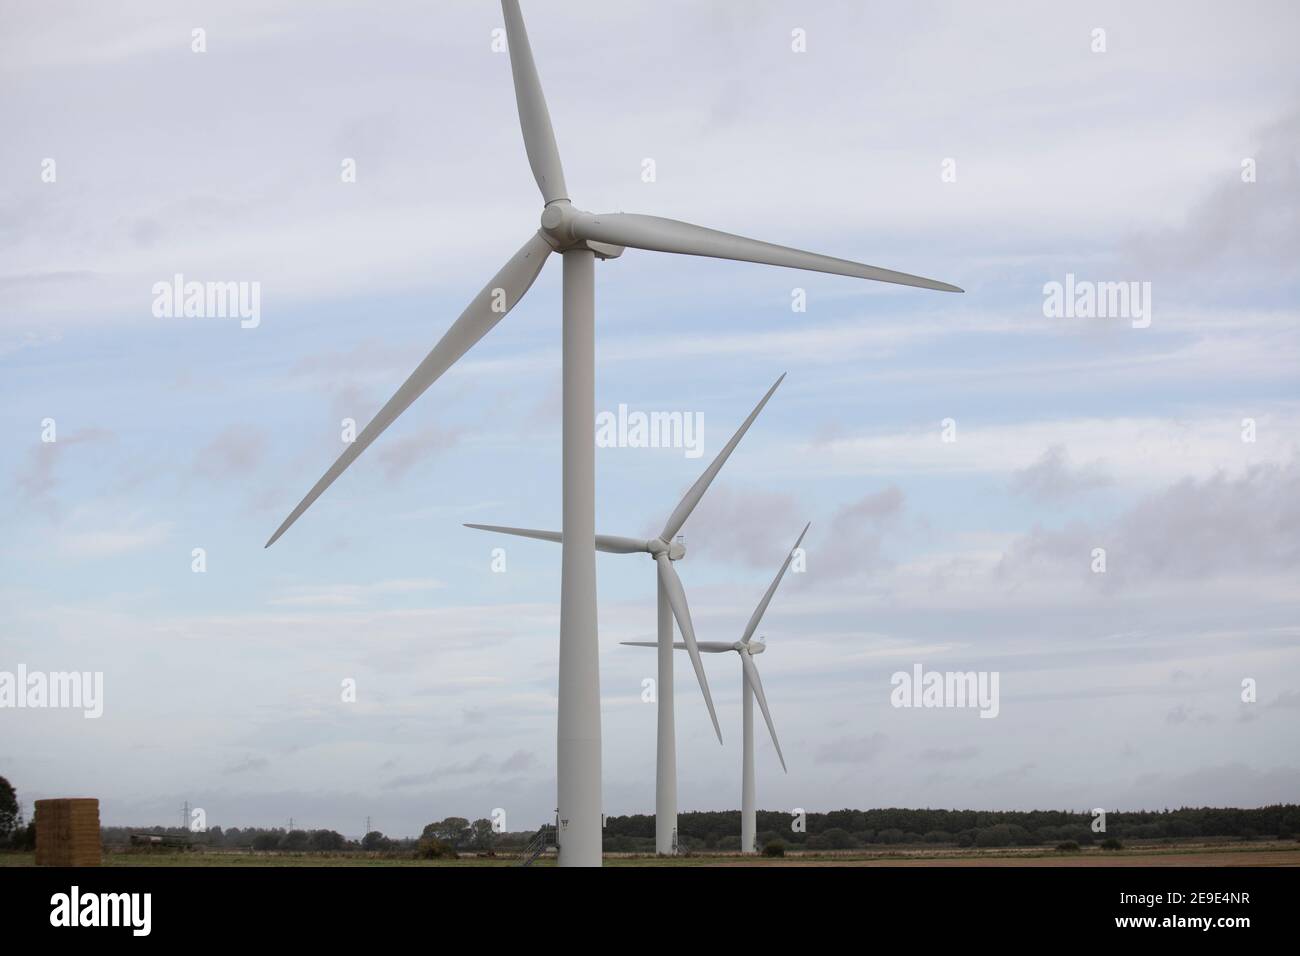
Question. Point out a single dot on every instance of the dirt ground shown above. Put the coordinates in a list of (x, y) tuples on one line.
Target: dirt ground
[(1187, 854), (1204, 857)]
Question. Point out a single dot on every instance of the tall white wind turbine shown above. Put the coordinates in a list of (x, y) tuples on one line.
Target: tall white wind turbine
[(672, 604), (580, 238), (751, 687)]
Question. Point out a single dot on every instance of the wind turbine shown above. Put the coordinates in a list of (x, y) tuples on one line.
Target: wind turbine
[(672, 604), (580, 238), (750, 687)]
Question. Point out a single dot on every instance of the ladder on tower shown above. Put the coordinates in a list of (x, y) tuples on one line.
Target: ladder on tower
[(542, 840)]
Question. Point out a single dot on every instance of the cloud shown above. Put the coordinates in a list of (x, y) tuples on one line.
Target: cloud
[(517, 762), (129, 536), (347, 370), (873, 509), (750, 527), (235, 452), (1014, 777), (852, 750), (1190, 530), (1183, 713), (400, 455), (477, 765), (1139, 451), (1241, 229), (1234, 784), (37, 480), (352, 595), (247, 765), (1287, 700), (851, 542), (1052, 479), (1217, 526), (949, 754)]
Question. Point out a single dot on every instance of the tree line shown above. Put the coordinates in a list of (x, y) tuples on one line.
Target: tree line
[(719, 830), (837, 830), (444, 838), (856, 829)]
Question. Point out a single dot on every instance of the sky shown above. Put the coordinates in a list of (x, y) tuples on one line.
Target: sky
[(960, 458)]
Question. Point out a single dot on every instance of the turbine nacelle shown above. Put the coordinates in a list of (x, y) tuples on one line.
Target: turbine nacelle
[(665, 548), (746, 648), (674, 549), (564, 228), (559, 218)]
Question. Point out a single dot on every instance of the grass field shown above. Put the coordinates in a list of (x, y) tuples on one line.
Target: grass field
[(1191, 854)]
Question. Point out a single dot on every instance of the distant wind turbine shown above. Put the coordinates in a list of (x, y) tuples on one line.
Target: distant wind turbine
[(672, 604), (751, 687), (580, 237)]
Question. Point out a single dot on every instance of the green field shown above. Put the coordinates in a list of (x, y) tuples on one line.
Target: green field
[(1189, 854)]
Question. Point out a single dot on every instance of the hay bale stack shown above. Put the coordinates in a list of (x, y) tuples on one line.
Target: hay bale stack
[(67, 832)]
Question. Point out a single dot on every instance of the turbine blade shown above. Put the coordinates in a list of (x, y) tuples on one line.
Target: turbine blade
[(519, 532), (683, 238), (609, 543), (696, 492), (534, 118), (771, 589), (514, 279), (756, 685), (613, 544), (677, 600), (706, 647)]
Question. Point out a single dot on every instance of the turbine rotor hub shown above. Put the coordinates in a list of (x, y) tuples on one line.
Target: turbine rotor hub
[(557, 228), (557, 223), (657, 546)]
